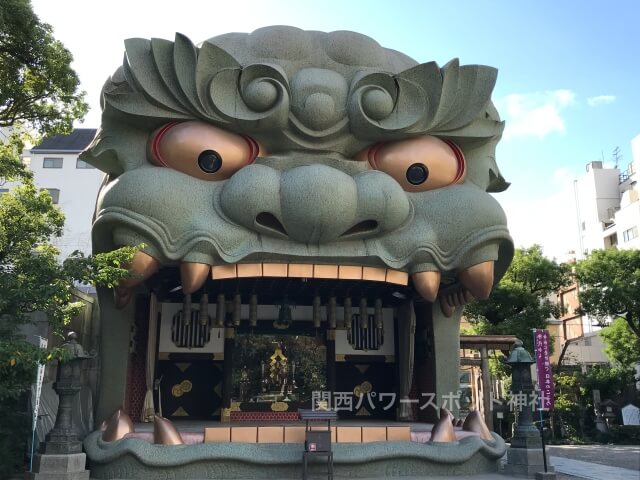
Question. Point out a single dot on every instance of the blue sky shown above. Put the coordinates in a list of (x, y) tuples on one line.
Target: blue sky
[(568, 84)]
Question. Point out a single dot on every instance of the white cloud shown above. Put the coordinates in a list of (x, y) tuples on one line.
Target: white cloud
[(601, 100), (549, 221), (535, 114)]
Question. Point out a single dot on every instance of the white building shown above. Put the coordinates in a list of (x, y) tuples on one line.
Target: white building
[(608, 212), (73, 185), (608, 206)]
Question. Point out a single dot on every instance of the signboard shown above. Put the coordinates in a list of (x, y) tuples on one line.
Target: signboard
[(545, 374)]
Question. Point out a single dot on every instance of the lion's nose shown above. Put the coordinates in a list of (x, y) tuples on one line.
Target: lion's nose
[(318, 203), (314, 203)]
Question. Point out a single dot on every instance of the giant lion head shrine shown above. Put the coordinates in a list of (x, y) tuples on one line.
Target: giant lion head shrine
[(313, 211)]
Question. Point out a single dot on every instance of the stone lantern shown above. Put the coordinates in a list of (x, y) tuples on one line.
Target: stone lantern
[(62, 456), (526, 455), (525, 434)]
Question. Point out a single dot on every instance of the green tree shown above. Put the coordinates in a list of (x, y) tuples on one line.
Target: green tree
[(38, 87), (32, 279), (622, 346), (38, 95), (569, 405), (610, 286), (520, 301)]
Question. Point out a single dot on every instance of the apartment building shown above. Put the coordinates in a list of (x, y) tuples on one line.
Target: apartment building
[(608, 205), (72, 183), (608, 216)]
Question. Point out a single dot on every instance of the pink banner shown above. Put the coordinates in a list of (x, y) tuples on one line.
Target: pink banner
[(545, 374)]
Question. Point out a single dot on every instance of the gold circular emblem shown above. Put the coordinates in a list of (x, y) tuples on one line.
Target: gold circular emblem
[(176, 391), (366, 387), (279, 406), (181, 388)]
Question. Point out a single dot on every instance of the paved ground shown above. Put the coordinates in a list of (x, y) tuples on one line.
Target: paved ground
[(593, 471), (614, 455)]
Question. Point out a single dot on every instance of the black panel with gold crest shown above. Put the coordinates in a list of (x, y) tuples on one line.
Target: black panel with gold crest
[(190, 389), (365, 390)]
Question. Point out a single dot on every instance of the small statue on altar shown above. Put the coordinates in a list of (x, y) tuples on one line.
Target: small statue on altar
[(244, 384), (283, 380)]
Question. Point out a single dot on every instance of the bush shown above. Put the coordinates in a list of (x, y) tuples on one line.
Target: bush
[(625, 434), (15, 427)]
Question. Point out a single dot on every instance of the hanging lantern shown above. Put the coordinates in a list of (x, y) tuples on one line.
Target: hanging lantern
[(331, 312), (186, 309), (348, 315), (237, 306), (378, 319), (316, 311), (220, 310), (364, 314), (378, 314), (204, 309), (253, 310)]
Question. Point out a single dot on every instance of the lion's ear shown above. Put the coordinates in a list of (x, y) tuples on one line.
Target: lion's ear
[(117, 148), (101, 153)]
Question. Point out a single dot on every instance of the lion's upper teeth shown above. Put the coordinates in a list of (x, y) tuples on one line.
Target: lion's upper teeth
[(427, 284), (142, 266), (193, 276), (478, 279)]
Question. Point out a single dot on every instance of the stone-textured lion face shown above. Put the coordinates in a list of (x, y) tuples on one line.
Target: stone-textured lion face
[(292, 147)]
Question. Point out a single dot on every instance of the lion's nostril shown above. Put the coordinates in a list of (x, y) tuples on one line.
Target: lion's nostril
[(269, 220), (367, 226)]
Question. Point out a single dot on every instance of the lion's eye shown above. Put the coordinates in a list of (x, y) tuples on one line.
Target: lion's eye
[(201, 150), (418, 164), (209, 161)]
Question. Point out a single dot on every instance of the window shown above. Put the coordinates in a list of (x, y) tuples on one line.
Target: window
[(51, 162), (630, 234), (55, 194), (83, 164)]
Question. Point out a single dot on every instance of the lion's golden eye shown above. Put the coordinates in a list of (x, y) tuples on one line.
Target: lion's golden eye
[(201, 150), (418, 164)]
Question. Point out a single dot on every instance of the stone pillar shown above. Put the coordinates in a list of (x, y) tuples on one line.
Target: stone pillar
[(486, 387), (525, 456), (437, 358), (227, 371), (406, 320), (115, 336), (62, 458)]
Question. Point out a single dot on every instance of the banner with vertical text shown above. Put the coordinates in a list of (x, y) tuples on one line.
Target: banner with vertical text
[(545, 373)]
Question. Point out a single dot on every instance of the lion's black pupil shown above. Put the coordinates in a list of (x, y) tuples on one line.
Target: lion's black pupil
[(417, 174), (209, 161)]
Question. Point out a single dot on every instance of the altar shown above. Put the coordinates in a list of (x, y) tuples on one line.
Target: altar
[(264, 362), (282, 389)]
